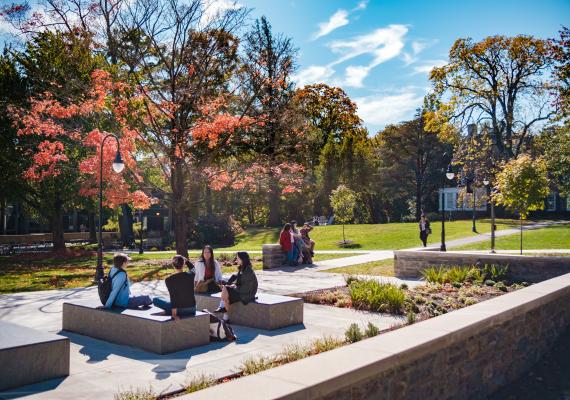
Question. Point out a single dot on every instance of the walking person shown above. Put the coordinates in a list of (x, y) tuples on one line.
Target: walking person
[(244, 289), (208, 272), (425, 229), (180, 287)]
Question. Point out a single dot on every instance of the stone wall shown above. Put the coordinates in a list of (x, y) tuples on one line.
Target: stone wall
[(410, 264), (273, 256), (466, 354)]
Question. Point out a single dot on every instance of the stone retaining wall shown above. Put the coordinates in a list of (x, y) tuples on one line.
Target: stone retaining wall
[(466, 354), (410, 264)]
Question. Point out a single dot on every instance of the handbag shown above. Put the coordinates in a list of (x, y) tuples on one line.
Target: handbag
[(202, 286)]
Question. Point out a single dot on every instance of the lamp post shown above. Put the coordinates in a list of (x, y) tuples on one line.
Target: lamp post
[(449, 175), (486, 182), (141, 251), (118, 167)]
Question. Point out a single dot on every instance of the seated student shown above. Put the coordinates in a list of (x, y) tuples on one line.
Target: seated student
[(180, 287), (244, 289), (310, 243), (208, 272), (120, 292), (286, 240)]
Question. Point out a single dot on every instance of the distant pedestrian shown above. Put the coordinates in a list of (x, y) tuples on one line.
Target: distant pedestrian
[(425, 229)]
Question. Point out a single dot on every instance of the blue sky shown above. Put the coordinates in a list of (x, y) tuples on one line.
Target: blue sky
[(380, 51)]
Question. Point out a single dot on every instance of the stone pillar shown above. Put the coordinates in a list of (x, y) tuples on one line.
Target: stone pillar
[(272, 256)]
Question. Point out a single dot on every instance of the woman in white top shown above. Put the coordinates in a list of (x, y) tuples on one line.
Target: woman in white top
[(208, 272)]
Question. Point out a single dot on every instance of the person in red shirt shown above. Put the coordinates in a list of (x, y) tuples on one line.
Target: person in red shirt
[(286, 240)]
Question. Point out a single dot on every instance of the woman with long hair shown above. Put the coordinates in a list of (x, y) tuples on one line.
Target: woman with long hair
[(208, 272), (287, 242), (244, 289)]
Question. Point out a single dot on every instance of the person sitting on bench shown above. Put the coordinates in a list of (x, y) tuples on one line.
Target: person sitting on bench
[(120, 293), (244, 289), (180, 287), (208, 272)]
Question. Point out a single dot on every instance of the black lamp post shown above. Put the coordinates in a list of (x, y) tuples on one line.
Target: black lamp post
[(486, 182), (118, 167), (449, 175), (141, 251)]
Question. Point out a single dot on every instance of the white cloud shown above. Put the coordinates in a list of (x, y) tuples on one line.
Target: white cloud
[(427, 66), (214, 8), (361, 5), (336, 20), (355, 75), (380, 111), (418, 47), (383, 44), (313, 74)]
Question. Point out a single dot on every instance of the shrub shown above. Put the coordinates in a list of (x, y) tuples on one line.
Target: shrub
[(349, 279), (456, 275), (501, 286), (200, 382), (326, 343), (411, 318), (353, 333), (433, 274), (404, 286), (257, 364), (293, 353), (371, 330), (494, 272), (138, 394), (470, 301), (375, 296), (490, 282), (217, 230)]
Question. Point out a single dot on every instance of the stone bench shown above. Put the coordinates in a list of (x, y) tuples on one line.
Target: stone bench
[(269, 311), (273, 256), (144, 329), (28, 356)]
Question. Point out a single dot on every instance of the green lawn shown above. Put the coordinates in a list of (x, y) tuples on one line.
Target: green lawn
[(382, 267), (21, 274), (552, 237), (369, 237)]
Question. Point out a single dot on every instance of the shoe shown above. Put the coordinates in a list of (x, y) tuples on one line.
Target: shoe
[(220, 309)]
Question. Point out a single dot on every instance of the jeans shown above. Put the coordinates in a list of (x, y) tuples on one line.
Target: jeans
[(167, 307), (138, 301)]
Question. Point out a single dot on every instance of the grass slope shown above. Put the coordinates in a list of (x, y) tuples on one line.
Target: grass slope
[(391, 236), (552, 237)]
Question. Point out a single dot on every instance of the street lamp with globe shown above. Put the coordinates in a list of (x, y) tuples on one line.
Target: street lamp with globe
[(449, 175), (118, 167)]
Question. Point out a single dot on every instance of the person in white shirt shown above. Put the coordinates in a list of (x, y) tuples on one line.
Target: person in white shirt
[(208, 272)]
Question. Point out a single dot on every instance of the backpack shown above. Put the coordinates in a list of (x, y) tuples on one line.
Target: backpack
[(220, 330), (105, 286)]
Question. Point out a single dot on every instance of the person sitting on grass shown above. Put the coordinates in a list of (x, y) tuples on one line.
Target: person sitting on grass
[(244, 289), (180, 287), (208, 272), (120, 292)]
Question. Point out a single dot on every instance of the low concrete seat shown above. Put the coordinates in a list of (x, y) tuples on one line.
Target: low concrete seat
[(29, 356), (268, 311), (145, 329)]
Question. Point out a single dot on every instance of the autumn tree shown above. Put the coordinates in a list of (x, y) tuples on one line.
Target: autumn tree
[(268, 63), (500, 80), (561, 54), (522, 185)]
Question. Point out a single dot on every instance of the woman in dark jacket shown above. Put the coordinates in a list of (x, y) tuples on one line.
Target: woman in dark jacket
[(244, 289), (425, 229)]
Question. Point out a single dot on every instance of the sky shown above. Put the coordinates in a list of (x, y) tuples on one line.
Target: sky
[(380, 52)]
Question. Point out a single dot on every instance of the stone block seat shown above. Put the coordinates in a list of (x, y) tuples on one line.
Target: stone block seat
[(29, 356), (145, 329), (268, 311)]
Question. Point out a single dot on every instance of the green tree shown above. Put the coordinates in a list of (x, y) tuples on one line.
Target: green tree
[(561, 53), (503, 80), (343, 202), (522, 185), (554, 144)]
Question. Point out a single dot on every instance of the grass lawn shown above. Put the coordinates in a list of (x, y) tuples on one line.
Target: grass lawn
[(552, 237), (370, 237), (382, 267), (18, 274)]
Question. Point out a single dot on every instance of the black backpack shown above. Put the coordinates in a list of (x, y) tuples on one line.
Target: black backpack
[(220, 330), (105, 286)]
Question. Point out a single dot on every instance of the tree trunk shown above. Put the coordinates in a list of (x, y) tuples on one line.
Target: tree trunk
[(3, 216), (343, 237), (180, 214), (208, 200), (419, 204), (57, 229), (92, 227), (274, 203), (126, 226)]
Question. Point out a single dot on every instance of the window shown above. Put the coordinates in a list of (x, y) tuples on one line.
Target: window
[(450, 202), (551, 202)]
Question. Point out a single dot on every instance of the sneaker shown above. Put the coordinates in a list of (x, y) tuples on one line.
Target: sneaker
[(220, 310)]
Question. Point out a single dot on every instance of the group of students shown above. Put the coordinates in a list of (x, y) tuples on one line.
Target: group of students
[(204, 277), (296, 244)]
